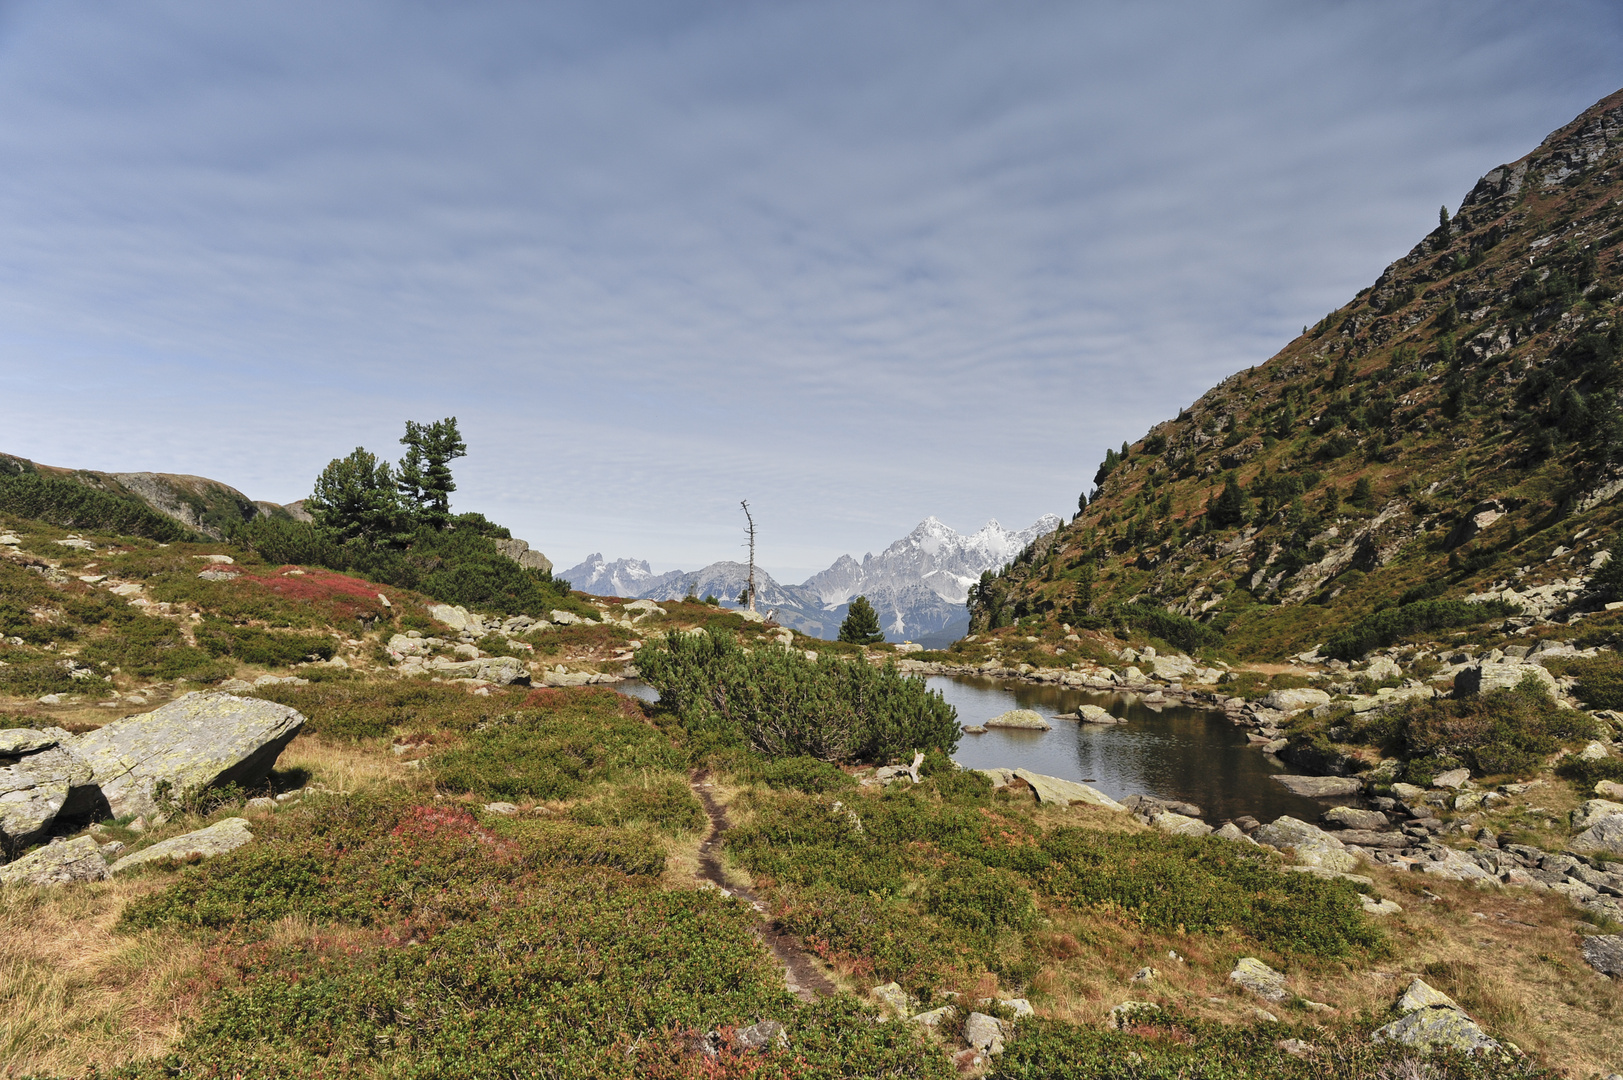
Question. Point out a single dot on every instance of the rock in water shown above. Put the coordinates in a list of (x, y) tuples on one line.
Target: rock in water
[(1259, 978), (1093, 714), (1024, 719), (40, 784), (1321, 787), (1603, 952), (1051, 789), (223, 836), (79, 859), (197, 741)]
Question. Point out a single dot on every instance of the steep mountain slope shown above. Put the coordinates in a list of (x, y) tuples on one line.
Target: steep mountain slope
[(918, 584), (1454, 430)]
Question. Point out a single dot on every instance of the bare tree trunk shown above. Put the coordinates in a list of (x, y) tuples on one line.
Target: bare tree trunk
[(749, 589)]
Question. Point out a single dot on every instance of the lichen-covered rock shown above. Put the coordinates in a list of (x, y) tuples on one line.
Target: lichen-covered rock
[(1320, 787), (1294, 701), (984, 1033), (17, 741), (1441, 1026), (1179, 825), (1603, 952), (197, 741), (934, 1018), (1594, 811), (1482, 678), (893, 998), (1421, 995), (38, 786), (1605, 836), (1023, 719), (219, 838), (1349, 817), (1093, 714), (1259, 978), (502, 670), (79, 859), (1311, 845), (1051, 789)]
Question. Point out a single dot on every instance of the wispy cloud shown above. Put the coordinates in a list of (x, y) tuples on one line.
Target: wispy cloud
[(857, 262)]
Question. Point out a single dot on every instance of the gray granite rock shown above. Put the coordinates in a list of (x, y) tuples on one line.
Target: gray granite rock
[(1051, 789), (1320, 787), (219, 838), (79, 859), (38, 786), (1604, 953), (1259, 978), (197, 741)]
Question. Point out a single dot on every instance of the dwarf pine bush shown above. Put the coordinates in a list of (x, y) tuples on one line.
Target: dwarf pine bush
[(783, 705)]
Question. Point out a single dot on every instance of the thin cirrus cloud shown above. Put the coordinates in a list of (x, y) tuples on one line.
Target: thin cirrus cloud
[(859, 263)]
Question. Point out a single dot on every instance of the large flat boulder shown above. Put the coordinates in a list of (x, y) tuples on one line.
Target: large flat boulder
[(1021, 719), (1311, 845), (223, 836), (79, 859), (1320, 787), (1481, 678), (1051, 789), (197, 741), (38, 784), (502, 670)]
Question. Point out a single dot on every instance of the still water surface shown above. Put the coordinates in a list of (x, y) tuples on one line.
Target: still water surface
[(1192, 755)]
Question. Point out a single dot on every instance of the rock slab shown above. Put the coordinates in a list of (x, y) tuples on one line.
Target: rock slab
[(197, 741), (1603, 952), (219, 838), (39, 785), (79, 859), (1259, 978), (1022, 719), (1320, 787), (1051, 789)]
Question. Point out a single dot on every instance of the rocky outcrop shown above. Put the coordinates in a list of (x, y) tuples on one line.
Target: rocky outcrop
[(79, 859), (219, 838), (1606, 835), (521, 552), (200, 740), (1482, 678), (41, 775)]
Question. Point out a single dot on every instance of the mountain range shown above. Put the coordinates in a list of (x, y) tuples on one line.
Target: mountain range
[(918, 584)]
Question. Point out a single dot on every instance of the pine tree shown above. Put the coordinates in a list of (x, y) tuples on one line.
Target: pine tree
[(425, 472), (355, 499), (1444, 229), (861, 625), (1231, 507)]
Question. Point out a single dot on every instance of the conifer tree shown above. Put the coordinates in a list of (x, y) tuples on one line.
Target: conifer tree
[(1231, 507), (861, 625), (425, 472), (355, 499)]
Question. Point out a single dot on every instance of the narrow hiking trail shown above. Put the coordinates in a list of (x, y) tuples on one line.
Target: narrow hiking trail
[(801, 974)]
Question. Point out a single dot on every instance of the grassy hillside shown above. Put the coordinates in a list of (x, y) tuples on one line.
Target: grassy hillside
[(1452, 430)]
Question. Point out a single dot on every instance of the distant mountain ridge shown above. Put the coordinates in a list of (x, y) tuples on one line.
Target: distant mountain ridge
[(918, 584)]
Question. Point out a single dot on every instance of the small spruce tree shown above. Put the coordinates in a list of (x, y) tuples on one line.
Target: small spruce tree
[(861, 625)]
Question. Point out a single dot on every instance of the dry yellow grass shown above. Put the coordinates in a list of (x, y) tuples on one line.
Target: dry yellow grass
[(74, 994)]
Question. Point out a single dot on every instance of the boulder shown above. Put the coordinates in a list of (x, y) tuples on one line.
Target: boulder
[(1179, 825), (1024, 719), (14, 742), (1259, 978), (1382, 668), (521, 552), (1350, 817), (1595, 751), (1231, 831), (79, 859), (197, 741), (1605, 836), (1311, 845), (893, 998), (1000, 777), (1320, 787), (1373, 838), (1453, 779), (1594, 811), (1373, 906), (1441, 1026), (501, 670), (223, 836), (1420, 995), (1051, 789), (456, 618), (39, 785), (984, 1033), (1294, 701), (1494, 675), (934, 1018), (1609, 789), (757, 1036), (1603, 952), (1092, 714)]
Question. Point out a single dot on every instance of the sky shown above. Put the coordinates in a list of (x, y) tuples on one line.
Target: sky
[(858, 263)]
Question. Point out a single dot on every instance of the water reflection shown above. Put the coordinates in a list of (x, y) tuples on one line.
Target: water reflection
[(1173, 752)]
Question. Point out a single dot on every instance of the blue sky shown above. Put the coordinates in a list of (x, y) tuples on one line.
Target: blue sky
[(856, 262)]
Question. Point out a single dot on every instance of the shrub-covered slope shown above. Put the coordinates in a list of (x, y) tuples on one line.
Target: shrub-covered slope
[(1454, 429)]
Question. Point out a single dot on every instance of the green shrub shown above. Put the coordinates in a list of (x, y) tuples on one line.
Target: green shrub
[(803, 773), (1391, 625), (1174, 629), (557, 754), (154, 648), (32, 678), (350, 711), (252, 645), (1600, 682), (783, 705), (71, 505)]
